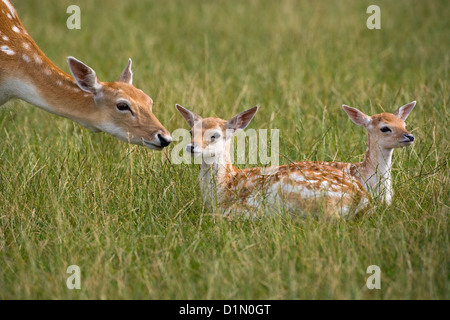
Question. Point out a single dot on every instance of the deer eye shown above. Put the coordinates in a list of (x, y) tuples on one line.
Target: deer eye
[(385, 129), (123, 106), (214, 137)]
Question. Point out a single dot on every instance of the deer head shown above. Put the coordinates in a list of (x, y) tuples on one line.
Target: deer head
[(211, 137), (125, 112), (388, 130)]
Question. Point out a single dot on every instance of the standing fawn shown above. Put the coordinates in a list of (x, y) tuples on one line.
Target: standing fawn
[(337, 189), (116, 108)]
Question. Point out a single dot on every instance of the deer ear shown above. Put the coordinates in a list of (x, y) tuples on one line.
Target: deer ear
[(84, 76), (190, 117), (127, 74), (404, 111), (242, 120), (358, 117)]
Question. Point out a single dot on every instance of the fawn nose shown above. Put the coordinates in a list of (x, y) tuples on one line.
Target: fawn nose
[(410, 137), (190, 148), (164, 141)]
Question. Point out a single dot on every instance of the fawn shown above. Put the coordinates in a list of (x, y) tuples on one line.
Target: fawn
[(339, 189)]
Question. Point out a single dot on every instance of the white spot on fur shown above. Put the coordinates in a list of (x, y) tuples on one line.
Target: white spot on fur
[(7, 50), (38, 59), (300, 190), (25, 45), (59, 83), (26, 58), (15, 29), (5, 38), (48, 72), (252, 201), (9, 16), (10, 7), (364, 203), (334, 194), (345, 211), (273, 190), (297, 177)]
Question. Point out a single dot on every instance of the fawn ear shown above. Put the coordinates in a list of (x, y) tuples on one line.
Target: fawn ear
[(242, 120), (190, 117), (404, 111), (358, 117), (84, 76), (127, 74)]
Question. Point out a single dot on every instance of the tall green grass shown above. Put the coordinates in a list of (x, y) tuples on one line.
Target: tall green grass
[(135, 223)]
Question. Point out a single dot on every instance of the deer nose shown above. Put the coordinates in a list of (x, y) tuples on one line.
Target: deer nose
[(190, 148), (164, 141), (410, 137)]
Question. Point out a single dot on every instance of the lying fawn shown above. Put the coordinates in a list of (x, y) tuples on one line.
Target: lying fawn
[(339, 189)]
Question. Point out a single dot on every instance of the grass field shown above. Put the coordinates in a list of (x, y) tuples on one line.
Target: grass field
[(136, 225)]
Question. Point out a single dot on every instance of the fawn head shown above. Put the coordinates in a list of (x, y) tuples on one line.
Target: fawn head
[(124, 111), (387, 129), (211, 137)]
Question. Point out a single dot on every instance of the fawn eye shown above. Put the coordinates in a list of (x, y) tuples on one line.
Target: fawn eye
[(385, 129), (215, 136), (123, 106)]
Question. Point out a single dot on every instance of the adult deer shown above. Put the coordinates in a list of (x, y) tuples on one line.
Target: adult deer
[(337, 189), (116, 108)]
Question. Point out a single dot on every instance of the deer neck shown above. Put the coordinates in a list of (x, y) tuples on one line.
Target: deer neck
[(375, 171), (27, 74), (215, 177), (52, 90)]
